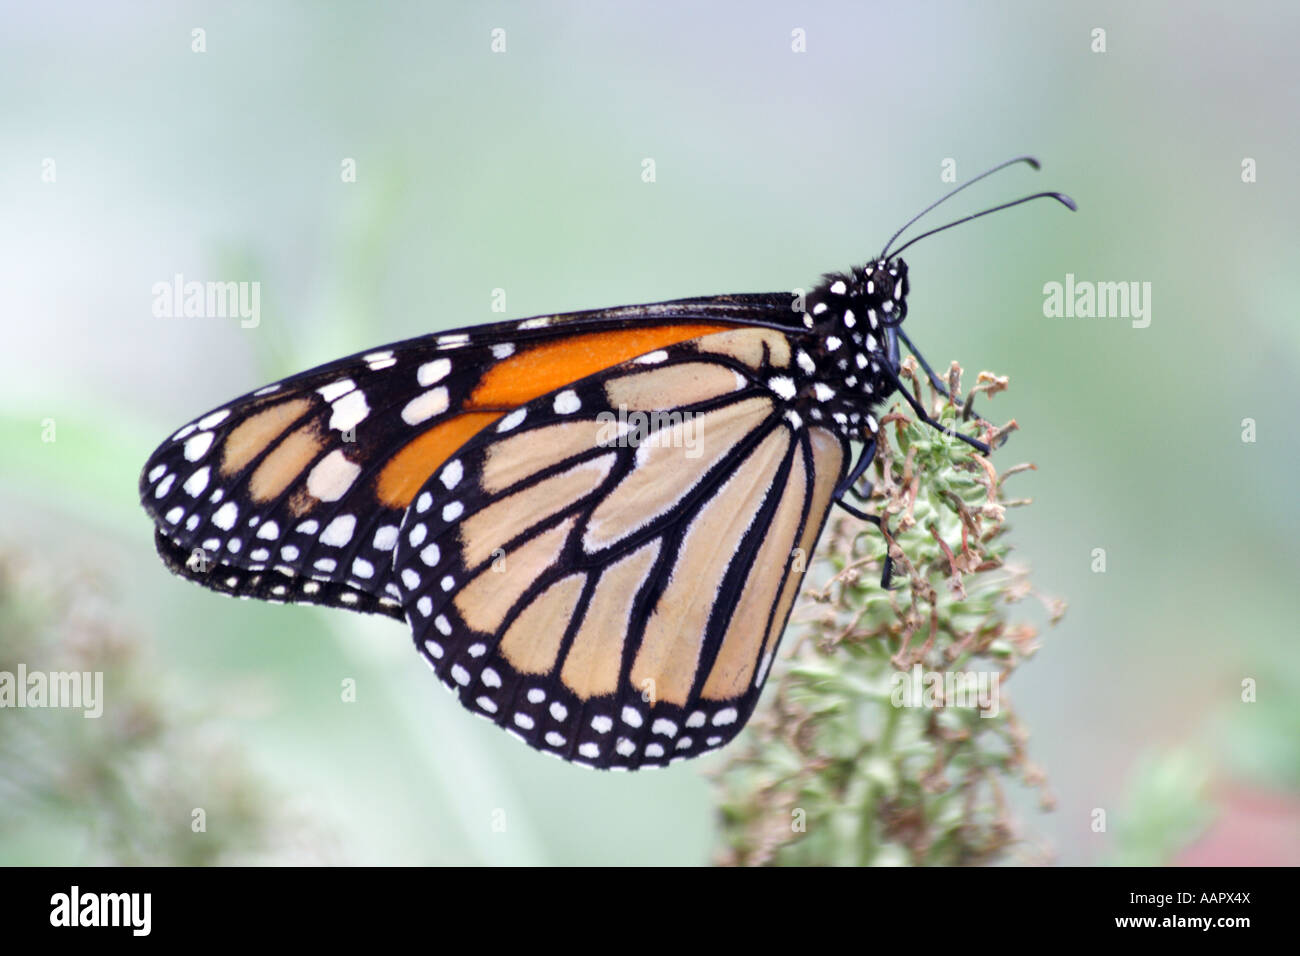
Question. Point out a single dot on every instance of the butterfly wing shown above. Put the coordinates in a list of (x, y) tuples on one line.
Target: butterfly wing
[(606, 571), (295, 492)]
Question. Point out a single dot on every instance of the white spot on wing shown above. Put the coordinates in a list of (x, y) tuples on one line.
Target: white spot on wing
[(339, 531), (216, 418), (349, 410), (336, 389), (197, 482), (433, 372), (225, 516), (197, 447), (566, 403), (332, 477), (664, 726), (512, 420), (425, 406)]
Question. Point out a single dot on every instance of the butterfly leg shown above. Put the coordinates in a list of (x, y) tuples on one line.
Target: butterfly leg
[(887, 573), (859, 469), (934, 377), (924, 416), (849, 485), (935, 380), (862, 494)]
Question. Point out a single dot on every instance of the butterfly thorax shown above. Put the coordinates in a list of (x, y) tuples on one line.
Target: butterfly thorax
[(843, 371)]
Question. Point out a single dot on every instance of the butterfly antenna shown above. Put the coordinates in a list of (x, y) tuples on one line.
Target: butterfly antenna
[(944, 198), (1063, 199)]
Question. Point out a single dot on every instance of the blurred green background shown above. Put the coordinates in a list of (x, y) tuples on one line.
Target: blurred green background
[(522, 171)]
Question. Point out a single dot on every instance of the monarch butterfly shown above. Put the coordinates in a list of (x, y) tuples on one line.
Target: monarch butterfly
[(591, 521)]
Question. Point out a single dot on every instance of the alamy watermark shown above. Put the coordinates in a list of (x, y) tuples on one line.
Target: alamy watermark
[(208, 300), (935, 689), (653, 429), (1082, 299), (131, 911), (77, 690)]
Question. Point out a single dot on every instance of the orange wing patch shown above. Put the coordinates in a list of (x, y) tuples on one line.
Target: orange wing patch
[(515, 381), (411, 467), (546, 368)]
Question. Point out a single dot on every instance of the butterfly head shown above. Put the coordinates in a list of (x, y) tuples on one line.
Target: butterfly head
[(884, 290), (852, 316)]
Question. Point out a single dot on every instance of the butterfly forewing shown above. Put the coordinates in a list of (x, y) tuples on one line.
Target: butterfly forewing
[(295, 492), (606, 570)]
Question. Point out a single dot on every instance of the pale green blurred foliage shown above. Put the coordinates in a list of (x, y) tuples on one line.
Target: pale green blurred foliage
[(832, 770), (124, 786), (1167, 806)]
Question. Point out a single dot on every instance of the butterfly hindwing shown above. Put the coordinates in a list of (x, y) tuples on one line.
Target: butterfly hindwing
[(606, 571)]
